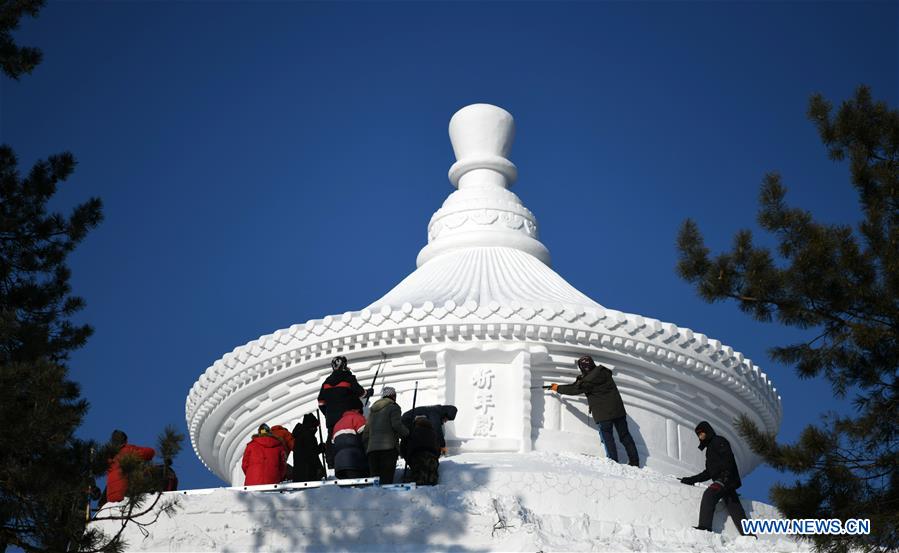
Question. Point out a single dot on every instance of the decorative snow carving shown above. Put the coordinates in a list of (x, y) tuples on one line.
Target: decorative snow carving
[(482, 217), (484, 422)]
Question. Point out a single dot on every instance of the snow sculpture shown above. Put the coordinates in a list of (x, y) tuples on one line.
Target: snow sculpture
[(483, 212), (481, 321)]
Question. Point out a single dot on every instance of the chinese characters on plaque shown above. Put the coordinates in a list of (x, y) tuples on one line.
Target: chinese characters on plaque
[(484, 421)]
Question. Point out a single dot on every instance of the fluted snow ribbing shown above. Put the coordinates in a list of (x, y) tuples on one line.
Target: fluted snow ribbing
[(484, 275)]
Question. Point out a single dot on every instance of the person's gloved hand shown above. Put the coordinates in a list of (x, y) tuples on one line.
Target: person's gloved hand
[(554, 387), (370, 392), (687, 480)]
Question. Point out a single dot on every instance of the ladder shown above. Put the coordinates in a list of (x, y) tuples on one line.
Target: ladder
[(299, 486)]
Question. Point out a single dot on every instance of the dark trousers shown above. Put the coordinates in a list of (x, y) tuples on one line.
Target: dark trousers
[(329, 452), (620, 425), (711, 497), (331, 418), (383, 464), (424, 468)]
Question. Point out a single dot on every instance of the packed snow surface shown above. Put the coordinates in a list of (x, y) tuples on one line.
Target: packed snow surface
[(485, 502)]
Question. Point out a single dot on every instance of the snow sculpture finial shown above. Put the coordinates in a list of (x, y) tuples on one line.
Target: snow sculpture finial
[(482, 138), (483, 212)]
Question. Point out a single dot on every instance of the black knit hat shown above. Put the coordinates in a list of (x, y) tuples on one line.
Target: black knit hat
[(118, 438)]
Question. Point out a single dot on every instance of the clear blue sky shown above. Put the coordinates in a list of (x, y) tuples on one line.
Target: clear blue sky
[(262, 164)]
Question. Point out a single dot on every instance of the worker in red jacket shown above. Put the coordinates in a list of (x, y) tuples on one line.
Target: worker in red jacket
[(264, 459), (286, 438), (349, 451), (116, 482)]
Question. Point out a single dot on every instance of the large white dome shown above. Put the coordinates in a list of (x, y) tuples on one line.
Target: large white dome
[(481, 321)]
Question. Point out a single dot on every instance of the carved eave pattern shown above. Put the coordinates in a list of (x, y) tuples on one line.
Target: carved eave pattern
[(633, 336)]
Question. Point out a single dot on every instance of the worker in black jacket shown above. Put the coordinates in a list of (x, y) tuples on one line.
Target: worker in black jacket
[(307, 464), (438, 415), (721, 469), (423, 452), (605, 404), (340, 392)]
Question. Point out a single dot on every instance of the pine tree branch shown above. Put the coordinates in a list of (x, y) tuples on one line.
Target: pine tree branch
[(125, 519), (132, 504), (875, 476), (16, 236), (817, 311)]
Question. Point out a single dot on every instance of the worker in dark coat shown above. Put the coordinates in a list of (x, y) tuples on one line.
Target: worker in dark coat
[(307, 464), (169, 477), (721, 469), (423, 452), (382, 434), (264, 459), (165, 476), (349, 452), (116, 480), (438, 415), (340, 392), (605, 404)]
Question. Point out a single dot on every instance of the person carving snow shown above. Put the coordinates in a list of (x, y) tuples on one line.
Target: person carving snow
[(286, 438), (423, 452), (721, 468), (349, 451), (264, 460), (307, 464), (381, 435), (339, 393), (438, 415), (605, 404), (116, 481)]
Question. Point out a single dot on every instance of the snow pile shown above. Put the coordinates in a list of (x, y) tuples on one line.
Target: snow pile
[(485, 502)]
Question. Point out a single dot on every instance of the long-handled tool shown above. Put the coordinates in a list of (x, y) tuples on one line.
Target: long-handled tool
[(321, 443), (414, 399), (375, 379)]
